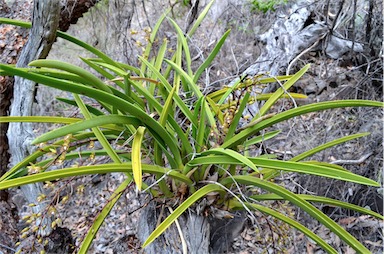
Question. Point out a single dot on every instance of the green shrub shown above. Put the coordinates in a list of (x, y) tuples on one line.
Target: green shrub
[(266, 5), (157, 109)]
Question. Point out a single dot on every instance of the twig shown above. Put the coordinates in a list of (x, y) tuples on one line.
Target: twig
[(304, 52), (183, 243), (351, 162), (6, 247), (235, 196)]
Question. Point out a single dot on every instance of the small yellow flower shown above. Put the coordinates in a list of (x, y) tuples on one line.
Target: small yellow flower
[(64, 199), (41, 197), (80, 189)]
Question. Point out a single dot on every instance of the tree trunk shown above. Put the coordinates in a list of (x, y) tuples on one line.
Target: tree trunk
[(72, 11), (197, 234), (12, 41), (293, 34), (42, 35)]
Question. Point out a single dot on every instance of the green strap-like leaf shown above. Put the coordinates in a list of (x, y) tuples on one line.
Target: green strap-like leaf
[(60, 65), (105, 121), (181, 38), (317, 149), (300, 167), (289, 221), (179, 210), (188, 79), (279, 92), (98, 221), (261, 138), (93, 110), (312, 169), (323, 200), (307, 207), (236, 119), (328, 145), (152, 38), (98, 133), (240, 137), (233, 154), (65, 36), (200, 19), (90, 170), (211, 57), (20, 170), (39, 119), (179, 102), (201, 130), (153, 126)]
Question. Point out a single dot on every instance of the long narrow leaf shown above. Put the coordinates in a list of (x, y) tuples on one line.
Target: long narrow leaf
[(152, 38), (200, 19), (156, 130), (90, 170), (279, 92), (98, 221), (136, 157), (19, 168), (323, 200), (240, 137), (98, 133), (211, 57), (184, 43), (289, 221), (92, 79), (187, 78), (313, 170), (200, 139), (99, 121), (64, 36), (261, 138), (236, 119), (241, 158), (328, 145), (39, 119), (179, 102), (179, 210), (307, 207)]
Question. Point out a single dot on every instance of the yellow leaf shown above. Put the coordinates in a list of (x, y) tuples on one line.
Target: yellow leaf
[(136, 157)]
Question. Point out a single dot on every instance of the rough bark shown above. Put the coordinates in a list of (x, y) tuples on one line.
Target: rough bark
[(293, 34), (72, 11), (202, 234), (42, 35), (11, 41)]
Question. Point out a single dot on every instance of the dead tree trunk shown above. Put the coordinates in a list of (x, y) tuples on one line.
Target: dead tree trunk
[(196, 234), (42, 35), (294, 33), (12, 41)]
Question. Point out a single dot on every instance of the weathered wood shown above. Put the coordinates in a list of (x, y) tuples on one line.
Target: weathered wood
[(72, 11), (201, 234), (195, 228), (42, 35), (10, 40), (293, 34)]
